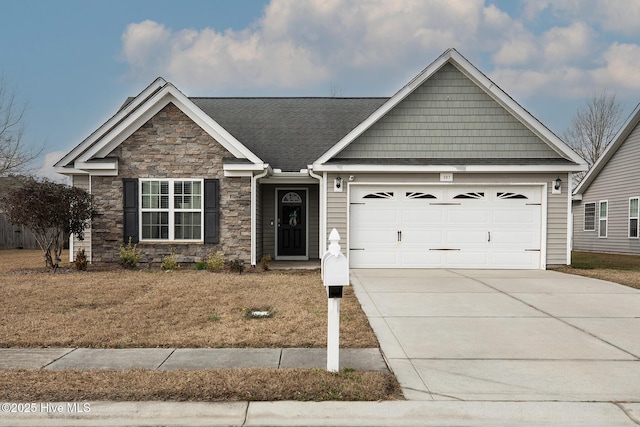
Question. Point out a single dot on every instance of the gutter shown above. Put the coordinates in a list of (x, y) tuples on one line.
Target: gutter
[(254, 214), (322, 233)]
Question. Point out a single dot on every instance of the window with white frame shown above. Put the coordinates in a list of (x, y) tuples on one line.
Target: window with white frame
[(603, 216), (633, 217), (171, 209), (590, 216)]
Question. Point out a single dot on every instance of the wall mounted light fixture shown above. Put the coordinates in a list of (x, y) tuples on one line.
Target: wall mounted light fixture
[(558, 184), (337, 185)]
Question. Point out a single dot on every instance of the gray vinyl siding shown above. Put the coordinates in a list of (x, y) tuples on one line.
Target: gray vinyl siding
[(268, 209), (617, 182), (84, 182), (268, 216), (449, 116), (557, 204)]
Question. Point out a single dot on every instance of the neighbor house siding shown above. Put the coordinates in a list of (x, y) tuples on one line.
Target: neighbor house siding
[(449, 116), (84, 182), (616, 183), (170, 145), (557, 204)]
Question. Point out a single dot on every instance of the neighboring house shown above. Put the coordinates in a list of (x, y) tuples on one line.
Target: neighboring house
[(450, 172), (606, 202)]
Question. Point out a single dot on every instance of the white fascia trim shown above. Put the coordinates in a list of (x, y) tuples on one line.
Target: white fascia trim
[(438, 168), (67, 171), (244, 167), (112, 122), (168, 94), (451, 55)]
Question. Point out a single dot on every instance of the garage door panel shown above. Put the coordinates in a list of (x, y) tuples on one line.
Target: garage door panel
[(372, 236), (463, 216), (457, 239), (427, 216), (479, 226), (426, 238), (364, 215), (526, 216), (513, 259), (467, 259), (527, 239)]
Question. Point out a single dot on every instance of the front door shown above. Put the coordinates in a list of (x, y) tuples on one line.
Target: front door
[(292, 223)]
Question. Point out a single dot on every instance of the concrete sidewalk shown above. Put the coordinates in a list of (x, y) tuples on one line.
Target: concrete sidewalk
[(364, 359)]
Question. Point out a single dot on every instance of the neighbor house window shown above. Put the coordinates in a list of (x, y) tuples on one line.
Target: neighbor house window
[(589, 217), (171, 209), (603, 217), (633, 217)]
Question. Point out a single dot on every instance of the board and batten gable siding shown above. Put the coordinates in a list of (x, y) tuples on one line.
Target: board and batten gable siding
[(448, 116), (84, 182), (617, 182), (557, 204)]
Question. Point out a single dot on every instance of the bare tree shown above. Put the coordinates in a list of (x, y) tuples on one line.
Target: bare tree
[(593, 127), (15, 154)]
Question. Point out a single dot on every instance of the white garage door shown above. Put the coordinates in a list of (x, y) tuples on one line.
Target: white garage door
[(445, 227)]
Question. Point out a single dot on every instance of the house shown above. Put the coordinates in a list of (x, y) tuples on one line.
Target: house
[(450, 172), (605, 205)]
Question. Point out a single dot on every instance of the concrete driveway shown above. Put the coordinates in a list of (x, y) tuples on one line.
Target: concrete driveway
[(496, 335)]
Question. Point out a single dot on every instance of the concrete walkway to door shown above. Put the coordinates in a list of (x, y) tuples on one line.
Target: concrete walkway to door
[(506, 335)]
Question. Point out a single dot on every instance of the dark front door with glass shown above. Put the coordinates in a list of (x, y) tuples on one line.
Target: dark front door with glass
[(292, 223)]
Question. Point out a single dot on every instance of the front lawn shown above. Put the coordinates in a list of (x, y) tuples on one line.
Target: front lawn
[(119, 308), (623, 269), (186, 308)]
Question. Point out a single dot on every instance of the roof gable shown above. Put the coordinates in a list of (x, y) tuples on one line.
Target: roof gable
[(91, 153), (448, 117), (452, 62), (618, 141)]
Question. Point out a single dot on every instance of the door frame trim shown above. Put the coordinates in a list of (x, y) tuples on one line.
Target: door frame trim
[(304, 257)]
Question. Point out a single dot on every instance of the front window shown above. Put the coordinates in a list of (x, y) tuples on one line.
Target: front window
[(171, 210), (602, 218), (633, 217)]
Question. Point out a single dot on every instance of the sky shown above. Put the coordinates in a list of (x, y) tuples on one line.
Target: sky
[(72, 63)]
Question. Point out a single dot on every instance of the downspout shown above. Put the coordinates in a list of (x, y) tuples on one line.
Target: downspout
[(254, 213), (322, 233)]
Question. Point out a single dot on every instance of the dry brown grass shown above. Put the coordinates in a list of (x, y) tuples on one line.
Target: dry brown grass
[(205, 385), (623, 269), (121, 308)]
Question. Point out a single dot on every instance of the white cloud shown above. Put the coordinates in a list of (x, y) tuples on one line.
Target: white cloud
[(298, 45), (46, 169), (621, 69)]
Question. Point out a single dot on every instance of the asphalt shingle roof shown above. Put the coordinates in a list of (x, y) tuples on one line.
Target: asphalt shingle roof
[(289, 133)]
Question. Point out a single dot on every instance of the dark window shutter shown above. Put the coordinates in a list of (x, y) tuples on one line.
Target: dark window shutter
[(130, 207), (211, 211)]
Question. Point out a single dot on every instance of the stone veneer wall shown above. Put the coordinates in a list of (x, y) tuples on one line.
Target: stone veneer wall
[(170, 145)]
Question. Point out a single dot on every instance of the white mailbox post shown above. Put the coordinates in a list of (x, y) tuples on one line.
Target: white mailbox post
[(335, 275)]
